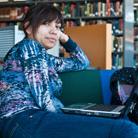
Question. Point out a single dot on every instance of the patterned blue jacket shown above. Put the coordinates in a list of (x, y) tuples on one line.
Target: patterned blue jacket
[(29, 79)]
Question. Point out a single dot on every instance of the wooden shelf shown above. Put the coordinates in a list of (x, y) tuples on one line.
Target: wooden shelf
[(69, 19), (11, 20), (118, 35), (114, 53), (23, 3), (16, 4), (94, 18)]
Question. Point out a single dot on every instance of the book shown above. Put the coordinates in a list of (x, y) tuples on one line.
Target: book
[(108, 8)]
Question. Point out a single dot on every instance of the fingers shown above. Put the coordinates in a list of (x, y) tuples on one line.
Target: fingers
[(63, 37)]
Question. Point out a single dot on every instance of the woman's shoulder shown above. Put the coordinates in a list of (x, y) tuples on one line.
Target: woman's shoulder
[(30, 48), (17, 48), (29, 45), (27, 42)]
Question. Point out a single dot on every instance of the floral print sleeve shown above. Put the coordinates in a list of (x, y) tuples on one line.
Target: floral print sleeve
[(77, 60), (35, 65)]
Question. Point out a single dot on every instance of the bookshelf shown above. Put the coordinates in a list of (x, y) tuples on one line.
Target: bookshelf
[(78, 13)]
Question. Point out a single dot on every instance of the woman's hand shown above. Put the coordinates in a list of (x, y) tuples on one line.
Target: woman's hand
[(63, 38)]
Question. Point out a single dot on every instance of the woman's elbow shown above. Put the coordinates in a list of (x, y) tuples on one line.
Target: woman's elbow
[(86, 64)]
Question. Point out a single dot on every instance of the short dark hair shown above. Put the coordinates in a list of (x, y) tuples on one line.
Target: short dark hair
[(40, 14)]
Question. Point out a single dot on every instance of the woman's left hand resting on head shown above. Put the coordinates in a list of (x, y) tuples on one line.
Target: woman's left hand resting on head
[(63, 38)]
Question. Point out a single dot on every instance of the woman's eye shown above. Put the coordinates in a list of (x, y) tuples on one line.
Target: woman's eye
[(58, 27), (44, 23), (47, 24)]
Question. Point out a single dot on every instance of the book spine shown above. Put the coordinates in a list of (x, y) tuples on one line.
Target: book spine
[(108, 7)]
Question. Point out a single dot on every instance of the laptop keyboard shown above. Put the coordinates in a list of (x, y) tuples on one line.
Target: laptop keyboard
[(102, 107)]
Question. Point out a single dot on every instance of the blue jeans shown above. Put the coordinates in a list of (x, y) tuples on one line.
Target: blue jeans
[(41, 124)]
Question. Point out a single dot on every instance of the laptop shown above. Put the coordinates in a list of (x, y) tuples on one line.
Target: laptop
[(111, 111)]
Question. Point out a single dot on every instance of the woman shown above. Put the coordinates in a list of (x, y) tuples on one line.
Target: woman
[(29, 83), (32, 81), (29, 80)]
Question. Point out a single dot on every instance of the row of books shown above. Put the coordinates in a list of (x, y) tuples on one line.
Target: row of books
[(117, 44), (72, 9), (117, 52), (91, 9), (136, 15), (117, 26), (6, 24), (117, 61), (136, 36), (136, 32), (136, 52), (136, 46), (13, 12)]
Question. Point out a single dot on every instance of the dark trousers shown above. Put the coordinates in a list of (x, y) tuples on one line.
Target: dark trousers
[(41, 124)]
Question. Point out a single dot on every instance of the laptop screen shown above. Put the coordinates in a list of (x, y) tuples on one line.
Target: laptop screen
[(131, 101), (124, 91)]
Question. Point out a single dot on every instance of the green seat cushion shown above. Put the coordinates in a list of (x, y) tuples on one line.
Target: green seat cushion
[(81, 87)]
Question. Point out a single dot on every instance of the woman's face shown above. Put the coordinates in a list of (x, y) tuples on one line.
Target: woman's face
[(47, 34)]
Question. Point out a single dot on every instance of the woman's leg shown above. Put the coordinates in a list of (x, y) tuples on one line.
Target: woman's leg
[(40, 124), (12, 128)]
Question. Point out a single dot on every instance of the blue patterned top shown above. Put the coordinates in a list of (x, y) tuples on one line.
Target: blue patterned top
[(29, 79)]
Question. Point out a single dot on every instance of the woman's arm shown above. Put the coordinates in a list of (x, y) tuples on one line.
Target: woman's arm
[(36, 73), (77, 60)]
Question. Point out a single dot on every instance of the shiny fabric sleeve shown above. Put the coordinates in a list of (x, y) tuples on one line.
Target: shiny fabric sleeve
[(36, 73), (77, 60)]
